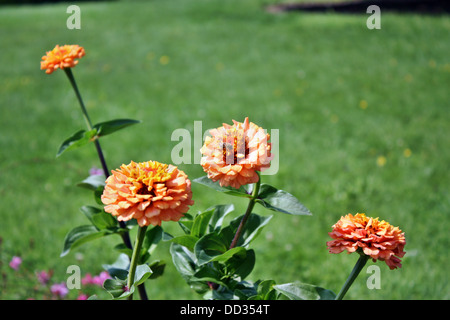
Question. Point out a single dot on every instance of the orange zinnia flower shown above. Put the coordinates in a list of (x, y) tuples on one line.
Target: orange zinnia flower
[(233, 154), (61, 57), (150, 192), (377, 239)]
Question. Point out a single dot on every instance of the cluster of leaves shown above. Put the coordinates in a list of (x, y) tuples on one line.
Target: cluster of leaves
[(205, 259)]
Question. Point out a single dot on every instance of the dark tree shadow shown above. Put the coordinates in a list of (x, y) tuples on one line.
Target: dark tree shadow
[(358, 6)]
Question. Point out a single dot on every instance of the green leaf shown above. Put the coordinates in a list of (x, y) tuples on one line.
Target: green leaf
[(304, 291), (251, 229), (184, 260), (78, 139), (243, 266), (157, 268), (266, 290), (99, 218), (98, 195), (280, 200), (119, 268), (219, 213), (186, 240), (201, 223), (227, 255), (208, 247), (80, 235), (117, 288), (108, 127), (121, 247), (208, 274), (152, 237), (241, 192), (143, 271), (93, 182)]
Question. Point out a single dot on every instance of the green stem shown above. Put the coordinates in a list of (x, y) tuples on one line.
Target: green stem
[(250, 206), (77, 93), (353, 275), (87, 119), (125, 235), (135, 257)]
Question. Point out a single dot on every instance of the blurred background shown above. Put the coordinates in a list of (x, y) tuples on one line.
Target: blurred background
[(363, 120)]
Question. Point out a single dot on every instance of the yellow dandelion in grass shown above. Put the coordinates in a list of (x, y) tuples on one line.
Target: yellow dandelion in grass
[(220, 66), (164, 60), (363, 104), (334, 118), (409, 77), (407, 153), (381, 161)]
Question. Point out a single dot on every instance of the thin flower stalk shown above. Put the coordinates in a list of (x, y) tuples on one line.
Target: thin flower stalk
[(250, 206), (135, 258)]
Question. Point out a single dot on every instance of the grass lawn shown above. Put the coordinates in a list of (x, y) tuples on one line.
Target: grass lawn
[(363, 118)]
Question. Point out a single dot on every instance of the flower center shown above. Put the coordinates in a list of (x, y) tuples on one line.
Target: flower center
[(235, 147), (144, 175)]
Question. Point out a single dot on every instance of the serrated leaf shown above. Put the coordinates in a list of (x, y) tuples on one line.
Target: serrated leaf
[(280, 200), (78, 139)]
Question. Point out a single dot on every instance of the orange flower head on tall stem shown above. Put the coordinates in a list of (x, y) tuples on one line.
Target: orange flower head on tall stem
[(234, 153), (61, 57), (376, 239), (150, 192)]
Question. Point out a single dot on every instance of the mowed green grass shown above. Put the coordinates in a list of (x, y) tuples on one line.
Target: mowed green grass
[(363, 120)]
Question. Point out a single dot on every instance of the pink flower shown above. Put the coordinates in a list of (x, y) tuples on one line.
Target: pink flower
[(59, 289), (94, 171), (15, 262), (87, 279), (82, 296), (98, 280), (44, 277)]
